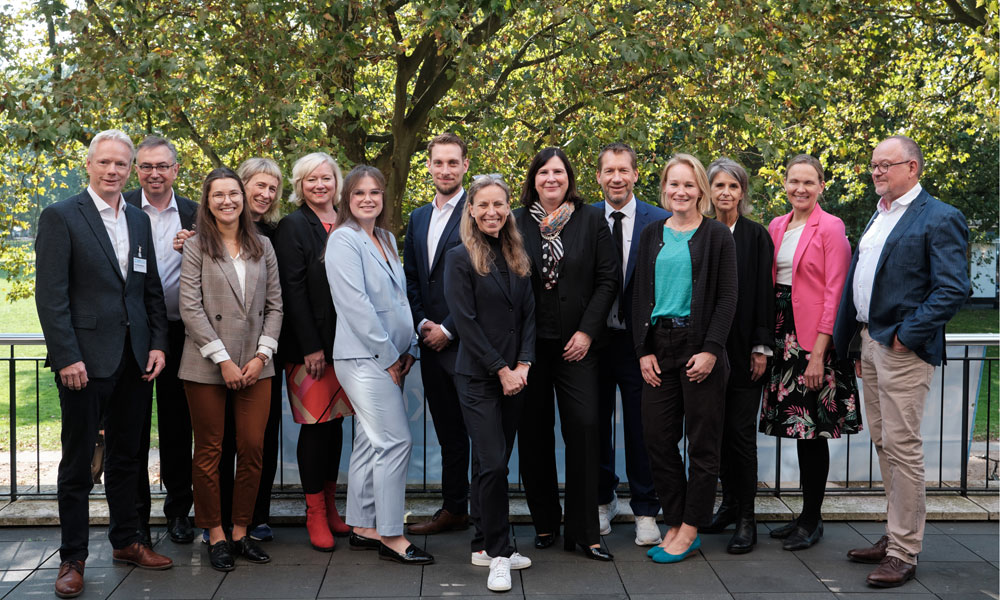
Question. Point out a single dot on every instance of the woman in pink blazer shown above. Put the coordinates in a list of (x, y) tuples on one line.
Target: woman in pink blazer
[(811, 397)]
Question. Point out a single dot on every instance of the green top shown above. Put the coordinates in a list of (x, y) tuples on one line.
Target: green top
[(673, 276)]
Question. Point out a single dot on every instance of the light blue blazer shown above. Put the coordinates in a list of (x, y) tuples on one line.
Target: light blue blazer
[(373, 314)]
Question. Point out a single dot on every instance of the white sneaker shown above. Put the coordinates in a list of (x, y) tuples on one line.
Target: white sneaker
[(481, 559), (606, 512), (647, 533), (499, 580)]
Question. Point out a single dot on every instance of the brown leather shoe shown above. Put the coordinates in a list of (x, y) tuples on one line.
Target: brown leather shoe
[(873, 554), (69, 584), (891, 572), (142, 557), (440, 522)]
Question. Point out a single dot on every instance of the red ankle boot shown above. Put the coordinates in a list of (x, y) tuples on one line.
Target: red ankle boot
[(337, 525), (319, 531)]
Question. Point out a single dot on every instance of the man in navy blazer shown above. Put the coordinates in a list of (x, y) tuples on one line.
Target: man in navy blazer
[(432, 231), (101, 308), (156, 166), (908, 278), (626, 216)]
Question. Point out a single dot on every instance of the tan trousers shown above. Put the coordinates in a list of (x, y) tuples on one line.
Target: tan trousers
[(895, 390)]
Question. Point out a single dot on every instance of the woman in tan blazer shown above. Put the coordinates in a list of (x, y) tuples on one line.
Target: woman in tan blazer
[(230, 302)]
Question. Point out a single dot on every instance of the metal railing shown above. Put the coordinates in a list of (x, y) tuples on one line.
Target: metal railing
[(941, 447)]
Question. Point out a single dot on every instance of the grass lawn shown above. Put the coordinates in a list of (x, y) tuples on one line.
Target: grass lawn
[(984, 320)]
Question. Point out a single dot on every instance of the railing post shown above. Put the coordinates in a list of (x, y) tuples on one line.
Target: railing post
[(13, 426), (965, 425)]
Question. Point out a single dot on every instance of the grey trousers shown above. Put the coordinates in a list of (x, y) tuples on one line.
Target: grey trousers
[(376, 480)]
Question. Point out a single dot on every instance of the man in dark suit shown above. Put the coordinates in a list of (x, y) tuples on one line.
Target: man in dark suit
[(626, 216), (908, 278), (156, 167), (101, 309), (432, 231)]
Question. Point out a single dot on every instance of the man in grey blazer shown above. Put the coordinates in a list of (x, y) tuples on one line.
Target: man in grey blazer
[(156, 166), (101, 308)]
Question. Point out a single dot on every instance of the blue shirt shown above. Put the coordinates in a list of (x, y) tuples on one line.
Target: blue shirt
[(672, 275)]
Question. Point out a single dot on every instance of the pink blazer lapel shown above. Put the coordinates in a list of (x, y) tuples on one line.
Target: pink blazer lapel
[(811, 227)]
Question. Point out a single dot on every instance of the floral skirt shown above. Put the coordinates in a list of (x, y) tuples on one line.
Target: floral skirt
[(791, 410)]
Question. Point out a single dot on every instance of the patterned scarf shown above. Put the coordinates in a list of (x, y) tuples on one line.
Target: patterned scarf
[(551, 226)]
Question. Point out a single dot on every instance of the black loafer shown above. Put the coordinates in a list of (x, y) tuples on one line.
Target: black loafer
[(801, 538), (248, 549), (357, 542), (180, 531), (543, 541), (412, 556), (598, 553), (744, 537), (220, 557), (785, 530)]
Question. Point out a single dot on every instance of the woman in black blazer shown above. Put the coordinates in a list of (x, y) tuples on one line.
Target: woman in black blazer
[(750, 342), (490, 299), (575, 278), (306, 343)]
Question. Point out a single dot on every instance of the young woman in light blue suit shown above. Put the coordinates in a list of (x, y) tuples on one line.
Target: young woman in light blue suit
[(373, 351)]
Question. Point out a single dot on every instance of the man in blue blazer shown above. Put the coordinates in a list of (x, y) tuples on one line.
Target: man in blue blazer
[(626, 216), (156, 167), (908, 278), (101, 308), (432, 231)]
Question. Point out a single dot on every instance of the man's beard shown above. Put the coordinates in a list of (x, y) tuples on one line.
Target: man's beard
[(448, 191)]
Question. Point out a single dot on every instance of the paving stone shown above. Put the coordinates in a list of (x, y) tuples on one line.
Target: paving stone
[(194, 554), (754, 576), (837, 539), (962, 527), (30, 534), (98, 583), (665, 596), (453, 547), (377, 580), (291, 547), (686, 577), (786, 596), (178, 583), (893, 594), (990, 503), (100, 554), (583, 578), (451, 579), (9, 579), (621, 543), (344, 557), (844, 576), (958, 578), (26, 555), (713, 547), (769, 508), (985, 545), (272, 581)]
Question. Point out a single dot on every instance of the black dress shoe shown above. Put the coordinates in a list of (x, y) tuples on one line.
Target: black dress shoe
[(248, 549), (727, 514), (220, 556), (802, 538), (180, 531), (785, 530), (745, 537), (544, 540), (412, 556), (598, 553), (357, 542)]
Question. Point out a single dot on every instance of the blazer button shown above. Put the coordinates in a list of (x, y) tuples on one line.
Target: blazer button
[(218, 317), (376, 356), (432, 281), (510, 309), (511, 331), (260, 313)]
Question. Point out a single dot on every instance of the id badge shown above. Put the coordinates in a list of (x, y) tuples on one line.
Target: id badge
[(139, 265)]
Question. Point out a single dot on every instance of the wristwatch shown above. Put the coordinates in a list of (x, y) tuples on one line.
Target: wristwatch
[(263, 358)]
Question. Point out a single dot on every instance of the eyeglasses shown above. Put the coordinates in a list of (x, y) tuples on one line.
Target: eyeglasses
[(220, 196), (884, 166), (160, 168)]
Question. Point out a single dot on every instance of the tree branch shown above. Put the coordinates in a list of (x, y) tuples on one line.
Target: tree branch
[(975, 18)]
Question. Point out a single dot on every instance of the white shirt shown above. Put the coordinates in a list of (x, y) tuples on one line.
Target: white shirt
[(165, 225), (871, 245), (439, 219), (785, 260), (628, 227), (116, 226), (215, 349)]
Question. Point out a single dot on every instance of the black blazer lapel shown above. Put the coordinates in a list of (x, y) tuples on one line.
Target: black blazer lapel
[(93, 219), (498, 280), (449, 228)]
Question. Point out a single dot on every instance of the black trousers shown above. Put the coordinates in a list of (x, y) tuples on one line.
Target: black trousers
[(620, 371), (678, 403), (738, 468), (437, 371), (491, 419), (269, 458), (110, 402), (575, 385), (175, 437)]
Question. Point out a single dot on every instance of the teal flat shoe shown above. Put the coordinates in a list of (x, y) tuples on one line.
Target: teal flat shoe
[(654, 551), (665, 557)]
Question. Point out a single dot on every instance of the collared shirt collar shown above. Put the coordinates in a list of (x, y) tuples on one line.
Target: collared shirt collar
[(903, 200), (451, 201), (171, 206), (101, 204), (629, 208)]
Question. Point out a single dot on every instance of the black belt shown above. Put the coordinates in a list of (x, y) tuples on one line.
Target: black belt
[(673, 322)]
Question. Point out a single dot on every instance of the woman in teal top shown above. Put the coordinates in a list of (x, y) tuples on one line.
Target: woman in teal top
[(683, 307)]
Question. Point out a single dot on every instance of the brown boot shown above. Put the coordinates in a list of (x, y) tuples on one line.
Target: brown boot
[(892, 572), (316, 524), (337, 525), (69, 584), (441, 521), (142, 556), (873, 554)]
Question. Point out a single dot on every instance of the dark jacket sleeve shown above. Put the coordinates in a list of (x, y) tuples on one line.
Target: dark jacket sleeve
[(606, 273), (52, 266), (643, 287), (720, 319), (293, 273), (763, 332), (156, 308), (411, 269), (460, 294), (527, 350)]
